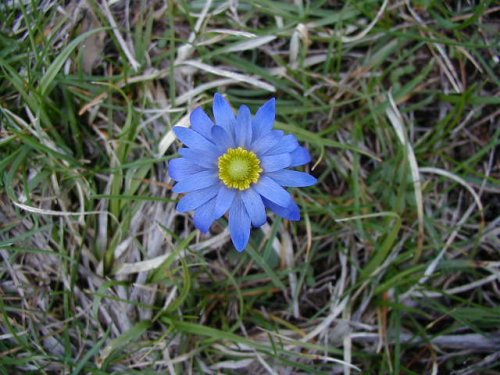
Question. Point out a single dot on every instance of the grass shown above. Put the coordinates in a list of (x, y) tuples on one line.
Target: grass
[(394, 268)]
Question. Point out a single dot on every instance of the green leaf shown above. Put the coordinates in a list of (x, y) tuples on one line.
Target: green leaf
[(91, 353), (125, 339), (59, 61)]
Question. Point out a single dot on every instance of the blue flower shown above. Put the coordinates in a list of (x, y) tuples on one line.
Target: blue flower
[(237, 164)]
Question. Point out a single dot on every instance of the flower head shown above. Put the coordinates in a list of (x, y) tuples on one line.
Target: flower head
[(237, 164)]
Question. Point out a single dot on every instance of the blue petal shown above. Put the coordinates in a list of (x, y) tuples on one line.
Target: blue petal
[(287, 144), (195, 199), (181, 168), (239, 225), (300, 156), (201, 123), (223, 140), (223, 113), (254, 206), (272, 191), (263, 121), (204, 216), (290, 212), (271, 139), (223, 201), (193, 139), (196, 181), (289, 178), (243, 128), (203, 158), (273, 163)]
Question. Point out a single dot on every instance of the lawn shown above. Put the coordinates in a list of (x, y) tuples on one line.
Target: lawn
[(394, 266)]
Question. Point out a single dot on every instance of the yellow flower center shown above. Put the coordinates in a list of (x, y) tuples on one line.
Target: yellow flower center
[(239, 168)]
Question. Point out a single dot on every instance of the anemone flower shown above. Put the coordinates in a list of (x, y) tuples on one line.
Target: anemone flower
[(240, 165)]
